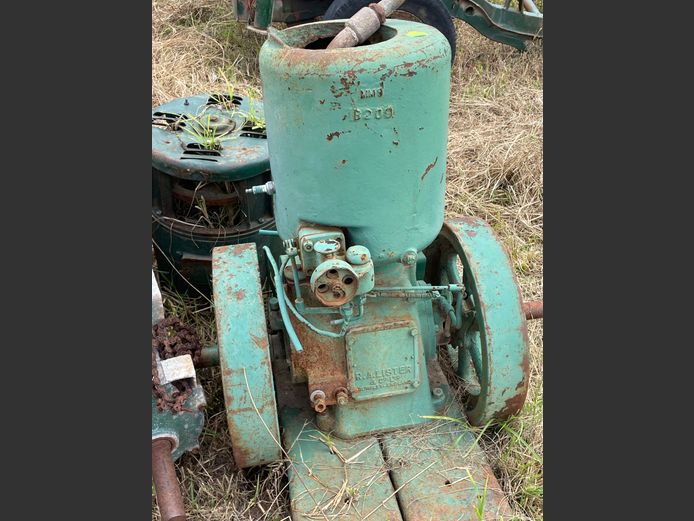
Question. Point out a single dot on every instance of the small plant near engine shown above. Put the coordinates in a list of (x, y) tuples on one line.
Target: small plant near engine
[(205, 132)]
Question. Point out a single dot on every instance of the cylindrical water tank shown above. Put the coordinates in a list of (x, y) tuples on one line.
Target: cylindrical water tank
[(357, 137)]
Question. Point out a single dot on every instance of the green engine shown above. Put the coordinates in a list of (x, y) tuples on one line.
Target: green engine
[(374, 289), (369, 285)]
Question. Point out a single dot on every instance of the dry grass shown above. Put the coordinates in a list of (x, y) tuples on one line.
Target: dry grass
[(192, 41), (495, 167)]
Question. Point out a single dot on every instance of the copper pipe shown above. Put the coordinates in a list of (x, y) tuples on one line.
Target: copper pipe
[(533, 309), (166, 484)]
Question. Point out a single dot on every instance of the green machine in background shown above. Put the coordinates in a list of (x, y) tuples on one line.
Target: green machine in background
[(373, 293), (512, 25), (207, 150)]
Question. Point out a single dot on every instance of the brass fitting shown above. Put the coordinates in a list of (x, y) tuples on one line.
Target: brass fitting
[(318, 401)]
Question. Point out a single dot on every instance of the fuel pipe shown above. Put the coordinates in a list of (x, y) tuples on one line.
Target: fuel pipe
[(165, 482)]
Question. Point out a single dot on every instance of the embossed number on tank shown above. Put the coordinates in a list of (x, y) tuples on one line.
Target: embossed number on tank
[(365, 113), (376, 92)]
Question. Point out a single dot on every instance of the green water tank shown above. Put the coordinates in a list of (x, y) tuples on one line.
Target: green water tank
[(357, 137)]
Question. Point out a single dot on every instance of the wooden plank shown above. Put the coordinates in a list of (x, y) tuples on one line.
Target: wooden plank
[(333, 479), (439, 480)]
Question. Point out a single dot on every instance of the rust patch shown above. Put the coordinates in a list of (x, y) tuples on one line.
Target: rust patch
[(431, 165), (322, 102), (322, 364), (348, 81), (379, 11), (511, 406), (242, 455), (533, 309), (515, 403), (240, 294), (333, 135), (238, 249), (261, 342), (171, 338)]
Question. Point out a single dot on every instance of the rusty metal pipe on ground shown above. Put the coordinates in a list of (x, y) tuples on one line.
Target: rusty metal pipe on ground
[(166, 484), (533, 309), (364, 24)]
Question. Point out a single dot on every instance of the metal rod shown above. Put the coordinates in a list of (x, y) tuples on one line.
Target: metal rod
[(400, 294), (166, 484), (209, 356), (298, 299), (450, 287), (533, 309)]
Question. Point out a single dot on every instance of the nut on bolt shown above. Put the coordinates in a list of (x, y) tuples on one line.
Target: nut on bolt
[(341, 396), (318, 401), (409, 258)]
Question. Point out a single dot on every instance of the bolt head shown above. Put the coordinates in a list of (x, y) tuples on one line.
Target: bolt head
[(308, 246), (437, 391), (414, 331), (409, 258)]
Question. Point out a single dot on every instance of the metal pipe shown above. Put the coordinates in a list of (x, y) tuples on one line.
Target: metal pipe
[(263, 14), (209, 356), (308, 324), (282, 298), (364, 24), (533, 309), (456, 321), (166, 484), (530, 6)]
